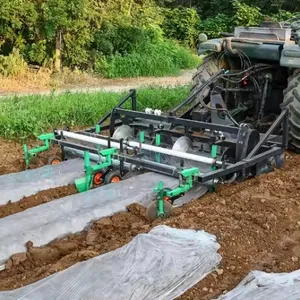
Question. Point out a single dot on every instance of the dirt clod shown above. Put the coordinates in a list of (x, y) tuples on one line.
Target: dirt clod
[(66, 248), (43, 255), (18, 258), (91, 237)]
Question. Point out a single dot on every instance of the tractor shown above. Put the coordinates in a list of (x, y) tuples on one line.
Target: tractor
[(248, 77), (241, 116)]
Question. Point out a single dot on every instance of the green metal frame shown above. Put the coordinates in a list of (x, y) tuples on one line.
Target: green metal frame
[(32, 152), (186, 183), (214, 153), (85, 183), (187, 178), (158, 143)]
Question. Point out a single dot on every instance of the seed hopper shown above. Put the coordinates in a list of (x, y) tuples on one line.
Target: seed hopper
[(126, 142)]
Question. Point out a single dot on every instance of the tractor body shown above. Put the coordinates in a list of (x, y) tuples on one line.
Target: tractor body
[(262, 78), (272, 43)]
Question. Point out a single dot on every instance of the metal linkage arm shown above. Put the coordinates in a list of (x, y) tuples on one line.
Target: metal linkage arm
[(32, 152), (283, 116)]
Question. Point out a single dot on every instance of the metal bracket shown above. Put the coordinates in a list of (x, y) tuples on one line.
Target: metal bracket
[(185, 185), (32, 152), (85, 183)]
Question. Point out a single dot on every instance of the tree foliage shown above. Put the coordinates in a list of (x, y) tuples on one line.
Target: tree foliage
[(92, 32), (214, 26), (246, 15), (181, 23)]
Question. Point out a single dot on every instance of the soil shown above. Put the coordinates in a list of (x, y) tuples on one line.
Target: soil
[(37, 199), (257, 224), (12, 160), (12, 156)]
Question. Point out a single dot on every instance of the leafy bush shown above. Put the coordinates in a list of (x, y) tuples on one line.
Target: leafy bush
[(242, 15), (213, 27), (37, 52), (160, 59), (123, 36), (246, 15), (283, 15), (124, 39), (181, 24), (13, 64)]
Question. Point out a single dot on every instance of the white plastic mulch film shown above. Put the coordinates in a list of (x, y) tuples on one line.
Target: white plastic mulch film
[(162, 264), (15, 186), (58, 218), (267, 286)]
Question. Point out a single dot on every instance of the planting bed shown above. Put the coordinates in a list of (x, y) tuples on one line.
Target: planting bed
[(257, 224), (37, 199), (12, 157), (12, 161)]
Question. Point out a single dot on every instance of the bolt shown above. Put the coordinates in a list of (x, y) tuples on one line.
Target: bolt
[(272, 162)]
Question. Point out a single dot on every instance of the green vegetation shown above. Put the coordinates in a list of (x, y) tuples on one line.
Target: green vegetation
[(118, 38), (33, 115), (122, 38), (151, 58)]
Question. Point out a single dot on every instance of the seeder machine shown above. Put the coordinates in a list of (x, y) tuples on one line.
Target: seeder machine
[(126, 142)]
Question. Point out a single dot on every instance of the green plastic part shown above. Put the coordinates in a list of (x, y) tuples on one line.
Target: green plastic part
[(161, 211), (142, 136), (161, 193), (98, 128), (85, 183), (158, 143), (185, 185), (214, 152), (29, 153)]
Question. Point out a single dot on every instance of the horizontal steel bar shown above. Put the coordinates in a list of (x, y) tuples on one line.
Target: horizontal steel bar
[(177, 121), (151, 166), (103, 142), (64, 143), (242, 164)]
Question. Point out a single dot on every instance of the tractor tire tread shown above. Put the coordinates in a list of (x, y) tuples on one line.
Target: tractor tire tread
[(292, 101), (205, 71), (290, 87)]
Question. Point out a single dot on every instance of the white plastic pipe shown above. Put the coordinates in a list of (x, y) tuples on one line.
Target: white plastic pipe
[(132, 144), (115, 163)]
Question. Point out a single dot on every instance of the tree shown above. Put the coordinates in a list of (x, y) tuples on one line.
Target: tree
[(246, 15), (70, 20), (181, 24), (17, 20)]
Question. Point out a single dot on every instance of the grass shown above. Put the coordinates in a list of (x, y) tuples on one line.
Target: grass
[(162, 59), (24, 117)]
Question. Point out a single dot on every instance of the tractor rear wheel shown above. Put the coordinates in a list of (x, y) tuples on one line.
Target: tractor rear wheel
[(208, 68), (292, 100)]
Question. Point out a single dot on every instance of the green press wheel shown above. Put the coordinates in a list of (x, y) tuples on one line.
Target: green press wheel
[(151, 212)]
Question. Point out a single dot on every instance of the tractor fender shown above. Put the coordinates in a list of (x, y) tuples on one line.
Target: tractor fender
[(256, 50), (290, 56), (214, 45)]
